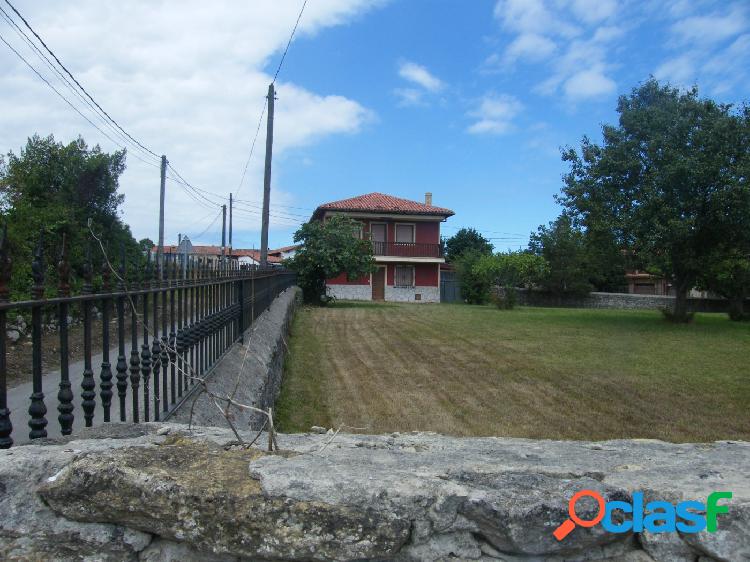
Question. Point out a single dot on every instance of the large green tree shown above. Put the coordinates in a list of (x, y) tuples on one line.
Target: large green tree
[(466, 240), (58, 188), (660, 182), (563, 247), (329, 248)]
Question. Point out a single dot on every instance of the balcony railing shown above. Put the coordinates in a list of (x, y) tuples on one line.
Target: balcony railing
[(407, 249)]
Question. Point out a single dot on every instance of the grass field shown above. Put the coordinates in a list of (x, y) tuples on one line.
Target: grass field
[(530, 372)]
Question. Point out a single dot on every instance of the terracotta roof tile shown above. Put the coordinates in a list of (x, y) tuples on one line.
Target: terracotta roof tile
[(382, 203)]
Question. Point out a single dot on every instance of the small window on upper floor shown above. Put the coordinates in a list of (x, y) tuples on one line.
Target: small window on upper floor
[(404, 233)]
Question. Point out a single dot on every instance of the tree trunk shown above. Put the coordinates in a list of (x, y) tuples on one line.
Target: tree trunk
[(680, 311), (737, 308)]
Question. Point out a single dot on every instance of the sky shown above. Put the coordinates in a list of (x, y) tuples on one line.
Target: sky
[(469, 100)]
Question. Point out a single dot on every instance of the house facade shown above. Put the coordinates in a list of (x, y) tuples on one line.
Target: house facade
[(405, 238)]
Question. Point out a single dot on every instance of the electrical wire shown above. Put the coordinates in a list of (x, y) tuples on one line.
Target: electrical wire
[(34, 70), (26, 23), (265, 103)]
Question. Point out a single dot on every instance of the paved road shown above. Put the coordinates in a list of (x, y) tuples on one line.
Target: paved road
[(18, 399)]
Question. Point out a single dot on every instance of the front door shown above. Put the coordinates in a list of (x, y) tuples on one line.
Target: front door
[(378, 284)]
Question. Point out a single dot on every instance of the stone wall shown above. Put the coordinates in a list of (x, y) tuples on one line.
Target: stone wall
[(158, 492), (618, 300), (251, 371), (350, 292), (409, 294)]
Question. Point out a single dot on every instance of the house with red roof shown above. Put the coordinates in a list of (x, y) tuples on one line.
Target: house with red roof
[(406, 245)]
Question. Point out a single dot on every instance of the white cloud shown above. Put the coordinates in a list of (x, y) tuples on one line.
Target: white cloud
[(589, 83), (529, 46), (419, 75), (678, 70), (710, 50), (711, 28), (495, 114), (409, 96), (594, 11), (188, 82), (571, 37)]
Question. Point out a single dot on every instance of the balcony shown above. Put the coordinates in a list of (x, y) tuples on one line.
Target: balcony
[(407, 249)]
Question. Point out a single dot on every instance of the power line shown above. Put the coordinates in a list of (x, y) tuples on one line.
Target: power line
[(265, 102), (61, 77), (34, 70), (207, 228), (291, 36), (77, 82)]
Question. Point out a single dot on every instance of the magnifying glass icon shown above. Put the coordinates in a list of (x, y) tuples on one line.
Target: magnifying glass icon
[(569, 524)]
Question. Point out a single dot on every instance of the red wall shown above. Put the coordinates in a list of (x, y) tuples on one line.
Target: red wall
[(342, 280), (428, 233), (426, 274)]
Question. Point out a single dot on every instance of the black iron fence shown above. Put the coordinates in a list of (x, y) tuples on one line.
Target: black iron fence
[(181, 318)]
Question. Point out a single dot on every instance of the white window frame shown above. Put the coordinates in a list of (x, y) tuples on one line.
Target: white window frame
[(413, 277), (385, 224), (413, 232)]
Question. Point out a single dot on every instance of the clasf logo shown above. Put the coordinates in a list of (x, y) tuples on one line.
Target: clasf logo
[(657, 517)]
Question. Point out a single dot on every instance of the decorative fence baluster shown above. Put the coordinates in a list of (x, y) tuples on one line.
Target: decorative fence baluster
[(6, 427), (155, 347), (88, 384), (135, 361), (145, 351), (203, 307), (105, 376), (37, 409), (65, 394), (164, 356), (173, 335), (122, 366), (179, 342)]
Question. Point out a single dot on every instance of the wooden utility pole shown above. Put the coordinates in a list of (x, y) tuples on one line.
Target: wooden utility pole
[(223, 231), (160, 249), (230, 225), (267, 181)]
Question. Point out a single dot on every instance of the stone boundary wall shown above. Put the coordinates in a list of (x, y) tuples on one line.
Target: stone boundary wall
[(254, 368), (157, 492), (618, 300)]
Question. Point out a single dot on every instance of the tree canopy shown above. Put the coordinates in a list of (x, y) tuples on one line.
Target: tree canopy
[(329, 248), (465, 240), (58, 188), (668, 185)]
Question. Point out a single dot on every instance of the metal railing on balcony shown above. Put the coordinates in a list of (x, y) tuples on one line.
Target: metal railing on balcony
[(168, 324), (407, 249)]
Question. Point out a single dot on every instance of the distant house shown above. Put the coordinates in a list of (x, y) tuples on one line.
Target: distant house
[(405, 239), (213, 254)]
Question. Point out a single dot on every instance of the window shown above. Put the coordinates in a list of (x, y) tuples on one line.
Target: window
[(377, 229), (404, 276), (358, 229), (404, 233)]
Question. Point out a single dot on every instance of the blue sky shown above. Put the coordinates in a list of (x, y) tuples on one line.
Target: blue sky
[(470, 100), (502, 89)]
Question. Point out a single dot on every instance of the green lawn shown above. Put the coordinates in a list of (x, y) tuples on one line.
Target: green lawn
[(530, 372)]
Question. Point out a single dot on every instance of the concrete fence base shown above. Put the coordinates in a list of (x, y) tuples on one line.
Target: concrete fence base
[(249, 371), (618, 301)]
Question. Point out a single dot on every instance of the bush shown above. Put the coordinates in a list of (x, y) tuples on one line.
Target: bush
[(475, 284), (505, 298)]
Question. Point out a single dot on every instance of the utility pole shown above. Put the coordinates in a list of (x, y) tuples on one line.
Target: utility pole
[(230, 225), (160, 249), (223, 231), (267, 180)]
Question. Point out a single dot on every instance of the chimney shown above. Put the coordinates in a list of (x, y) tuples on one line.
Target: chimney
[(428, 198)]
